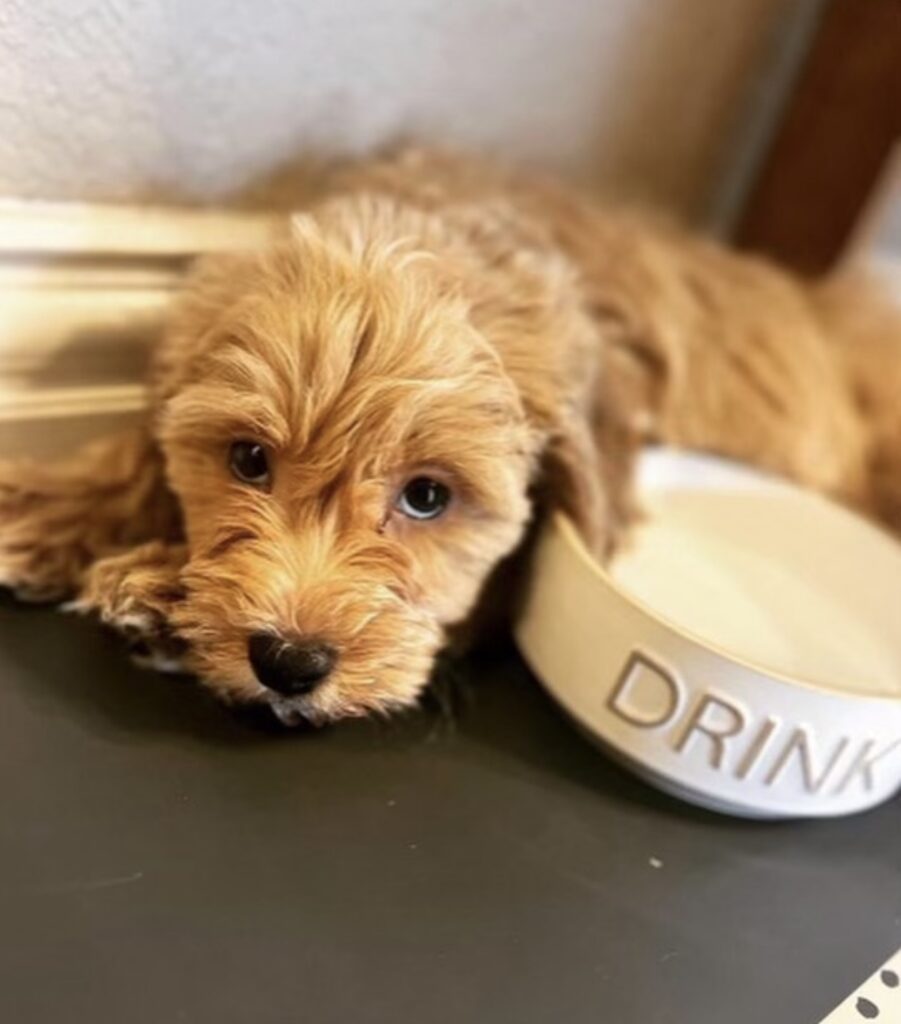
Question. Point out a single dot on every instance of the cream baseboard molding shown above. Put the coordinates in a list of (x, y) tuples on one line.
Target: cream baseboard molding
[(61, 403), (97, 229), (83, 291), (50, 422)]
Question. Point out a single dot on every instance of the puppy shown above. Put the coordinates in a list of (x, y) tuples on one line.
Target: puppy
[(351, 431)]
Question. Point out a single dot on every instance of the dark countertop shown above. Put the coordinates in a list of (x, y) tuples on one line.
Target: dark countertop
[(163, 860)]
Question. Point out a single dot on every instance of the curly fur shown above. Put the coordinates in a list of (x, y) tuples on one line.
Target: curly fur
[(432, 314)]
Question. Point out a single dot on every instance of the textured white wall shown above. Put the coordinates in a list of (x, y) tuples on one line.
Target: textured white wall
[(121, 99)]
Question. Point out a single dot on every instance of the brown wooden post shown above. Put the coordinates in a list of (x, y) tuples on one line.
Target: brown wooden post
[(835, 136)]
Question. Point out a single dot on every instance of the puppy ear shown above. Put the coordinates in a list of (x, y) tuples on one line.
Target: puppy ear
[(571, 480), (588, 471)]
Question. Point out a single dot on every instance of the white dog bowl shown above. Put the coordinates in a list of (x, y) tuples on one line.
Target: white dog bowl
[(744, 652)]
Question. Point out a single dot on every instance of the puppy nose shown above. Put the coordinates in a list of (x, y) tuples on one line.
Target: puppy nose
[(290, 667)]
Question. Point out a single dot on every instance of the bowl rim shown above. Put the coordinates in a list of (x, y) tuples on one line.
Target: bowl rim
[(578, 547)]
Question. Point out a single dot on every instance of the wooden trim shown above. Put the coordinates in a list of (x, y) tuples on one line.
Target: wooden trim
[(50, 428), (57, 403), (835, 138), (84, 290), (145, 232)]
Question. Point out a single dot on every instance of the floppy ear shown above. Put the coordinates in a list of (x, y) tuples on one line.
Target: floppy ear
[(530, 308), (588, 469), (571, 480)]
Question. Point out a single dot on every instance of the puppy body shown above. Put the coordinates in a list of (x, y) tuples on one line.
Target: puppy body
[(432, 317)]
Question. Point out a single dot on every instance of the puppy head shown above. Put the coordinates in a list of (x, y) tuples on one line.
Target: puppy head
[(352, 460)]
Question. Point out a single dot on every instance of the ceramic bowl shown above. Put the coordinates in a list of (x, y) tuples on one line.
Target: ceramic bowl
[(742, 652)]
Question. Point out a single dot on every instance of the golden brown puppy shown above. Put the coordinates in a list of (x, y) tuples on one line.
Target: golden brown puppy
[(351, 430)]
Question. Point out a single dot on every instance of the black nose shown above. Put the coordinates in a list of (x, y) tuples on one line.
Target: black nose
[(290, 667)]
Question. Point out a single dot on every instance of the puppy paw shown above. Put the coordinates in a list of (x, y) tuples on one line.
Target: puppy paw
[(134, 594), (57, 518), (41, 557)]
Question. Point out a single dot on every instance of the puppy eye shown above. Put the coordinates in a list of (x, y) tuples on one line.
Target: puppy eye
[(249, 463), (423, 498)]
